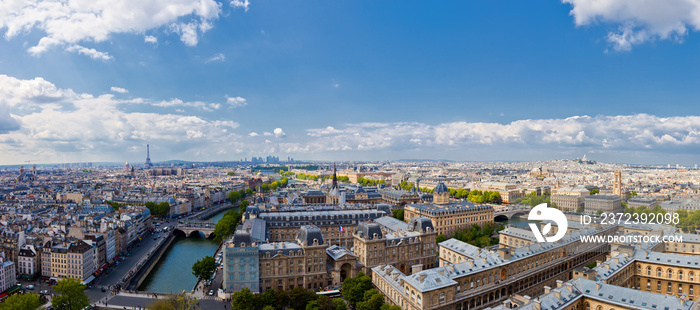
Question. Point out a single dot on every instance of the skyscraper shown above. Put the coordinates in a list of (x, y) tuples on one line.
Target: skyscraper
[(148, 156)]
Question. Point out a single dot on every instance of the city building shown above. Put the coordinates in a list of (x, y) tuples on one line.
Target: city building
[(448, 217), (74, 259), (570, 199), (602, 203), (28, 263), (408, 246)]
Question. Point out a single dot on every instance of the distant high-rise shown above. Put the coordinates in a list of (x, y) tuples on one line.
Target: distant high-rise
[(617, 185), (148, 156)]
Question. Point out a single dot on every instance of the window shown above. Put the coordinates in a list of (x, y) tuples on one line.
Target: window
[(669, 287), (442, 298), (658, 272), (648, 271), (670, 273), (680, 274), (648, 284), (680, 289), (690, 290), (658, 286)]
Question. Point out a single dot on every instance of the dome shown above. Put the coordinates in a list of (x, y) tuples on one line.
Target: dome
[(440, 188), (359, 190)]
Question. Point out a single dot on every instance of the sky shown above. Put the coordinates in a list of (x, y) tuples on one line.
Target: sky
[(206, 80)]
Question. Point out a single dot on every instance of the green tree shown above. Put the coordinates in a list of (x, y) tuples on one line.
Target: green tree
[(243, 300), (579, 210), (324, 303), (339, 304), (248, 191), (599, 212), (204, 268), (70, 295), (230, 173), (244, 204), (226, 226), (313, 305), (282, 299), (390, 307), (440, 238), (354, 289), (299, 297), (175, 302), (29, 301), (234, 196), (594, 191), (398, 214)]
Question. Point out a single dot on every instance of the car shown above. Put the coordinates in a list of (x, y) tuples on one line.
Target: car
[(103, 289), (211, 293), (30, 287), (44, 292)]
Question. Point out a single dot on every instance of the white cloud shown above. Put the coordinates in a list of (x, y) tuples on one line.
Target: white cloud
[(119, 90), (638, 21), (335, 85), (639, 131), (240, 4), (90, 52), (68, 23), (150, 39), (253, 134), (216, 57), (279, 132), (236, 102), (176, 102)]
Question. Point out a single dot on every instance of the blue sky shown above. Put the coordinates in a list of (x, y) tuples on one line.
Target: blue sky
[(461, 80)]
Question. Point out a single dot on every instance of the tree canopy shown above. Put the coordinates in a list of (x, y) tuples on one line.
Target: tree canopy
[(70, 295), (159, 210), (204, 268), (479, 236), (175, 302), (29, 301), (226, 226)]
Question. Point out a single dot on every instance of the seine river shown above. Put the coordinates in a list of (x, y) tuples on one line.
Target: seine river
[(174, 271)]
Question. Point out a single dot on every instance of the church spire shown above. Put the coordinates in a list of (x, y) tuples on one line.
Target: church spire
[(335, 177)]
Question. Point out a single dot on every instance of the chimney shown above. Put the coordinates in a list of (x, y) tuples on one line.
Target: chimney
[(417, 268), (570, 287), (421, 277), (559, 283), (547, 289), (683, 298), (504, 252), (507, 304), (597, 286), (557, 293), (538, 304), (617, 260)]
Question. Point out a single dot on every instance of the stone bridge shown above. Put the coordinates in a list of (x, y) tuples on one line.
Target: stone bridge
[(511, 213), (193, 229)]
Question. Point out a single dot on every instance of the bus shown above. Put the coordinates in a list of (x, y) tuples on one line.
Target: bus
[(330, 293)]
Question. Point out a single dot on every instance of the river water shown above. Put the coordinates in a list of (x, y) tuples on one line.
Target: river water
[(173, 273)]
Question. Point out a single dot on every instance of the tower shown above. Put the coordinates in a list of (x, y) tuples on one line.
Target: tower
[(148, 156), (617, 185), (335, 178)]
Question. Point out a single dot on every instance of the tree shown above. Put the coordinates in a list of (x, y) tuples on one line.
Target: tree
[(244, 204), (594, 191), (204, 268), (234, 196), (599, 212), (390, 307), (29, 301), (299, 297), (440, 238), (70, 295), (175, 302), (282, 299), (398, 214), (226, 225), (579, 210), (372, 300), (230, 173), (243, 300), (158, 210), (313, 305), (339, 304), (354, 289), (324, 303)]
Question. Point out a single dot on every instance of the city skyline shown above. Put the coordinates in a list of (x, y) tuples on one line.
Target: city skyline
[(220, 81)]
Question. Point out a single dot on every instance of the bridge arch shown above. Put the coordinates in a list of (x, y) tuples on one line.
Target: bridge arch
[(501, 218), (179, 233)]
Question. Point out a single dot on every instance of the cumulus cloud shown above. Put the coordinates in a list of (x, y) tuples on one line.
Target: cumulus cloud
[(49, 123), (240, 4), (638, 21), (236, 102), (216, 57), (150, 39), (90, 52), (253, 134), (176, 102), (639, 131), (119, 90), (68, 23), (279, 132)]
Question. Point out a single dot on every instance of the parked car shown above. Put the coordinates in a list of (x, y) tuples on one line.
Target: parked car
[(30, 287), (44, 292), (211, 293)]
